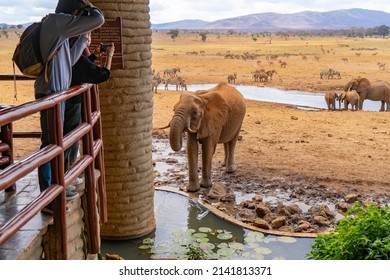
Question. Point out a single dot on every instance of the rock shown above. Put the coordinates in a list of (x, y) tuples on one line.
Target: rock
[(260, 223), (278, 222), (351, 198), (228, 198), (217, 191), (270, 216), (252, 205), (294, 118), (368, 202), (257, 198), (303, 226), (171, 160), (113, 257), (294, 218), (283, 211), (343, 206), (322, 221), (245, 214), (286, 229), (321, 210), (258, 122), (247, 220), (294, 209), (245, 204), (262, 210)]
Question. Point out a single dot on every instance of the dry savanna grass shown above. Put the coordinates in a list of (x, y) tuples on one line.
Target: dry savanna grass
[(305, 58)]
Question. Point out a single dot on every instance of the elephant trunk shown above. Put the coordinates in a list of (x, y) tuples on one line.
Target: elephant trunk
[(175, 134), (348, 86)]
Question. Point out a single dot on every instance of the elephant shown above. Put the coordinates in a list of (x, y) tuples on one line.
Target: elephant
[(232, 78), (208, 117), (330, 98), (352, 98), (376, 91)]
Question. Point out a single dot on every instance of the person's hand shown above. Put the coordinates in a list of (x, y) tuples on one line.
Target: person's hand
[(97, 52), (88, 36), (110, 50)]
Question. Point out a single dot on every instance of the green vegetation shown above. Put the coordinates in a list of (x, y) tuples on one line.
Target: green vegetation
[(173, 33), (196, 253), (203, 35), (364, 234)]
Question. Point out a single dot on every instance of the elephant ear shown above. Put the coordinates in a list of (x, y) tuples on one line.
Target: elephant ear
[(217, 110), (363, 84)]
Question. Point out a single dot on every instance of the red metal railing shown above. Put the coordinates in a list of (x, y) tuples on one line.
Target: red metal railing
[(89, 131)]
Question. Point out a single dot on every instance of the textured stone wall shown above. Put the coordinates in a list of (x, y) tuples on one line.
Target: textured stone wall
[(127, 115), (75, 226)]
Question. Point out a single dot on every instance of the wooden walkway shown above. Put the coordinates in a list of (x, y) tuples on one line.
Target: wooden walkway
[(11, 203)]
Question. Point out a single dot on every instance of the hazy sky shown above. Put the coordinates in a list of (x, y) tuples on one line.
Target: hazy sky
[(22, 11)]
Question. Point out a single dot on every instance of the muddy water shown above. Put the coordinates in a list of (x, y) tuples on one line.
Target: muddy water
[(180, 222), (302, 99)]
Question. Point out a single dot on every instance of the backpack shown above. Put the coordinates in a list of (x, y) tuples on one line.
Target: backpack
[(27, 55)]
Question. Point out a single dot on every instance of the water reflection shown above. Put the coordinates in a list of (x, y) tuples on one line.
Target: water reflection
[(179, 219), (291, 97)]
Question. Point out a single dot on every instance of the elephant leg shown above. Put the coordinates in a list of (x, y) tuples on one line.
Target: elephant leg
[(229, 155), (192, 154), (208, 149), (382, 106)]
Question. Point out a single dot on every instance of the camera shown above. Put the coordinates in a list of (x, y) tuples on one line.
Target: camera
[(104, 47)]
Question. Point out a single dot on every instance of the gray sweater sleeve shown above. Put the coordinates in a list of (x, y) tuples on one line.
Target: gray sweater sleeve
[(56, 28)]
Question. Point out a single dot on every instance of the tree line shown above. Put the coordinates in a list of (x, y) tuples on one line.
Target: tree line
[(378, 31)]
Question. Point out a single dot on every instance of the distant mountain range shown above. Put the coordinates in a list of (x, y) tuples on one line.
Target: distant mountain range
[(337, 19)]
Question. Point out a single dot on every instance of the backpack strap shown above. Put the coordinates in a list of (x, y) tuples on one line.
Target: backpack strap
[(15, 91), (50, 58)]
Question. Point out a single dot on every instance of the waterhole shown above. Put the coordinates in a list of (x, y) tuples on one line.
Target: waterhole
[(301, 99), (180, 223)]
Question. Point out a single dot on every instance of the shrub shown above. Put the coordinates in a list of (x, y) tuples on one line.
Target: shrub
[(364, 234)]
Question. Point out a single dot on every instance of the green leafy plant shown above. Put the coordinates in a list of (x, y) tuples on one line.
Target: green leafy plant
[(364, 234), (196, 253)]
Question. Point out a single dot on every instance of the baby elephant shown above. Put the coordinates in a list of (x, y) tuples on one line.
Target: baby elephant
[(350, 97), (330, 98)]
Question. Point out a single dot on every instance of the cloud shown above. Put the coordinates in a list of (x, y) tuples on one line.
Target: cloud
[(22, 11)]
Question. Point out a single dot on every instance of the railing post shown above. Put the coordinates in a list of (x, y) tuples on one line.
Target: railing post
[(99, 160), (93, 232), (6, 138), (55, 126)]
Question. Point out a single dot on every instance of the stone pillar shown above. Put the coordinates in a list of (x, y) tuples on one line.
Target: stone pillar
[(127, 115)]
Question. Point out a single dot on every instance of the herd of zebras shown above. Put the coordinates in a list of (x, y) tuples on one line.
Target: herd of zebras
[(170, 77), (330, 74)]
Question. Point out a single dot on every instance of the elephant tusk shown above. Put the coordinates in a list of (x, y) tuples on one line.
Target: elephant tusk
[(169, 125), (165, 126), (190, 130)]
